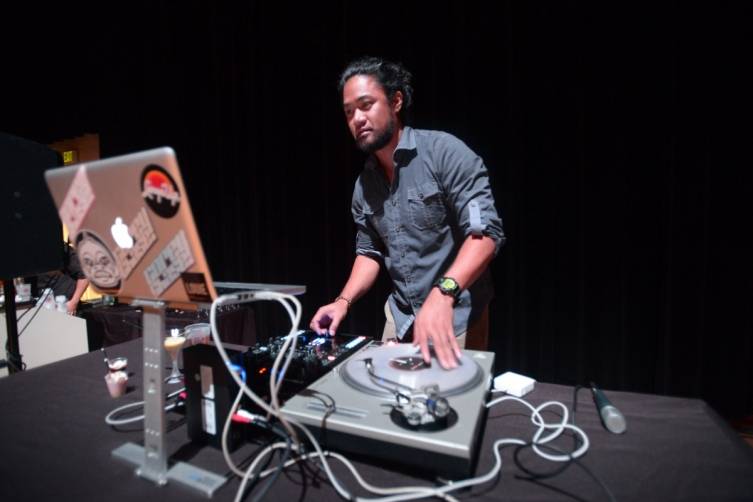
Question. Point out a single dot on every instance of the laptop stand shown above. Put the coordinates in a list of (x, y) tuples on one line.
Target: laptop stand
[(151, 459)]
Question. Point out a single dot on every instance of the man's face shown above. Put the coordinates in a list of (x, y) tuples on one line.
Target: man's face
[(370, 116)]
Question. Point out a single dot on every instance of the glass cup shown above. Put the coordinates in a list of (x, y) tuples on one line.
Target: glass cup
[(119, 363), (117, 382), (173, 344)]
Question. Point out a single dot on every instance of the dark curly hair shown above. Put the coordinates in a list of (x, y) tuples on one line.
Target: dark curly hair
[(391, 76)]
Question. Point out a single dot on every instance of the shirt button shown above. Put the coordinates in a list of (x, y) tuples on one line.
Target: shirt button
[(402, 254)]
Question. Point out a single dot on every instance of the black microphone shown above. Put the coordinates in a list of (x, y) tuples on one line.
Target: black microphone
[(613, 420)]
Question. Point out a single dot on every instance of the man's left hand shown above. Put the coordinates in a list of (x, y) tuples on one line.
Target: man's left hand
[(434, 322)]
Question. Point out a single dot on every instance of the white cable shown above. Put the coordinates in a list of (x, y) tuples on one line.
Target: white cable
[(441, 491), (261, 295), (351, 468), (290, 344), (396, 493), (335, 483), (273, 410), (408, 492), (277, 383), (225, 429), (112, 421), (558, 429)]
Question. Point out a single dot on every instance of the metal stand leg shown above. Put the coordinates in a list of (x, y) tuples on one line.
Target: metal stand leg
[(155, 460), (151, 460), (15, 364)]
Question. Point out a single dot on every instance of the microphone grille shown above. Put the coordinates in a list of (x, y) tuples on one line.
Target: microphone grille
[(613, 420)]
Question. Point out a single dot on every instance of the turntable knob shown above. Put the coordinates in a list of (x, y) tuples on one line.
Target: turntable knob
[(438, 406), (413, 418)]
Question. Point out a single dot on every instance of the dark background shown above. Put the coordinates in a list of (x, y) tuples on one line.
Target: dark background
[(617, 138)]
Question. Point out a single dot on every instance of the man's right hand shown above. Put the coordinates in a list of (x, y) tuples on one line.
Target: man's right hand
[(328, 317)]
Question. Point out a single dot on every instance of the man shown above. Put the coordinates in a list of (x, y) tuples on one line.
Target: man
[(69, 282), (424, 207)]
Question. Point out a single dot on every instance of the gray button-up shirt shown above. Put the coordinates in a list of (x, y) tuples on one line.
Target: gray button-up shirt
[(439, 196)]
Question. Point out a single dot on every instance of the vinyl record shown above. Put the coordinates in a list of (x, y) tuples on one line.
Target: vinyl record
[(400, 368)]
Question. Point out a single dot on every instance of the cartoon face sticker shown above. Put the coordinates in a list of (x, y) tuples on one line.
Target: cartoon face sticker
[(160, 191), (97, 261)]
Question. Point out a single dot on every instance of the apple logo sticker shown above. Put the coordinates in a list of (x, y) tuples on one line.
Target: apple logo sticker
[(119, 231)]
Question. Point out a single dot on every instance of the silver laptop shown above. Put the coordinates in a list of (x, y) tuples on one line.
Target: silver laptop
[(131, 224)]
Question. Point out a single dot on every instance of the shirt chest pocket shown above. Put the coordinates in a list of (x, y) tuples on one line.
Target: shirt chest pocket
[(376, 218), (426, 206)]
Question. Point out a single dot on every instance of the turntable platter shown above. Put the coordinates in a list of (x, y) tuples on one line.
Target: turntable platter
[(401, 367)]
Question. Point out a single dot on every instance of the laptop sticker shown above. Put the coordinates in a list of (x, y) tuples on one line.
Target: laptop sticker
[(77, 201), (97, 261), (196, 287), (171, 262), (160, 191), (142, 232)]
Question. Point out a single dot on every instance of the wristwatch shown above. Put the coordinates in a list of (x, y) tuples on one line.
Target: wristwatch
[(448, 286)]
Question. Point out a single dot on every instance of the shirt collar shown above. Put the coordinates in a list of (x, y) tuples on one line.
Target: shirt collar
[(405, 147), (407, 141)]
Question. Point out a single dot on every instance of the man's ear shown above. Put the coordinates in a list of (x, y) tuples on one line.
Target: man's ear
[(397, 101)]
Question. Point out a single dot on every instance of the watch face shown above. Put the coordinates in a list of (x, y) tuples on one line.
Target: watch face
[(448, 286), (447, 283)]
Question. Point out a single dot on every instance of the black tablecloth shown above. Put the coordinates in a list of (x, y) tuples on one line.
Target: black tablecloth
[(55, 443), (111, 325)]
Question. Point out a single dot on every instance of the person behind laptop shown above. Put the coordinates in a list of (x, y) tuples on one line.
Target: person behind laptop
[(423, 206), (69, 281)]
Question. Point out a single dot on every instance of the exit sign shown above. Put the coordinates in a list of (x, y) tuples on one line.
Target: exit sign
[(70, 156)]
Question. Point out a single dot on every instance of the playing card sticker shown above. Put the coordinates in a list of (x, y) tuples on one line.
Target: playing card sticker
[(77, 201), (97, 262), (160, 192), (175, 259), (142, 235)]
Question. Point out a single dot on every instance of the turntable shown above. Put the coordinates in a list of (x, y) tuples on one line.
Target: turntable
[(385, 402)]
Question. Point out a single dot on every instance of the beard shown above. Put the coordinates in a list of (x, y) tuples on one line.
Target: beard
[(379, 140)]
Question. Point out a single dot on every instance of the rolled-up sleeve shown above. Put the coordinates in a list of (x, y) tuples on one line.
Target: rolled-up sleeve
[(368, 242), (467, 190)]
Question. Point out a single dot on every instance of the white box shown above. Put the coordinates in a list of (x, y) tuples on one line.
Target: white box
[(514, 384)]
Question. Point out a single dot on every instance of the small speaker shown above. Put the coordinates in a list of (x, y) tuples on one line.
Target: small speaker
[(31, 228)]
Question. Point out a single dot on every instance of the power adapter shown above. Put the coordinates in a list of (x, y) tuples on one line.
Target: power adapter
[(514, 384)]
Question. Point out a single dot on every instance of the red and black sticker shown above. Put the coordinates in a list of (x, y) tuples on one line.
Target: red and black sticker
[(160, 191), (196, 287)]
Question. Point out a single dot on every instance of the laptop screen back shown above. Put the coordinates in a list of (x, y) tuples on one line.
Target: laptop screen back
[(131, 223)]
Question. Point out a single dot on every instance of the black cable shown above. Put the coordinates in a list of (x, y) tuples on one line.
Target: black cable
[(51, 282), (537, 476), (36, 309), (13, 361), (36, 312), (132, 324), (284, 435), (329, 408), (533, 475), (577, 389), (253, 480), (280, 468)]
